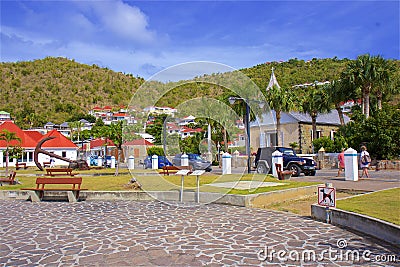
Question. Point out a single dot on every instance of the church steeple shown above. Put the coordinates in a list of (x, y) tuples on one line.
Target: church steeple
[(272, 81)]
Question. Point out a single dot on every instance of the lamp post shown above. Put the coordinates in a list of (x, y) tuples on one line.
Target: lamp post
[(246, 120)]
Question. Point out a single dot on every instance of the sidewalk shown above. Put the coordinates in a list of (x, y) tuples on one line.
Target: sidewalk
[(378, 180)]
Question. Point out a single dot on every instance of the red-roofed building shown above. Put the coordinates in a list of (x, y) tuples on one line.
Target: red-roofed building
[(186, 132), (61, 145)]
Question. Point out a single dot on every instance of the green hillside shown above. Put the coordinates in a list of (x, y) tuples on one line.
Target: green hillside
[(53, 89)]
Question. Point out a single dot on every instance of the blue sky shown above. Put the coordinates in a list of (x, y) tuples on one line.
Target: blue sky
[(145, 37)]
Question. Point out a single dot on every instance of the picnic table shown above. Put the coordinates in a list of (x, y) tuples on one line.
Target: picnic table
[(60, 172), (10, 179)]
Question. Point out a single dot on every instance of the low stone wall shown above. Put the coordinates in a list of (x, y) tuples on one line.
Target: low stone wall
[(362, 223), (388, 164), (262, 200)]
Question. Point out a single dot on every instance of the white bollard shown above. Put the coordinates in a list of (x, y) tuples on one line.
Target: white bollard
[(277, 157), (100, 161), (88, 161), (235, 158), (112, 162), (350, 165), (154, 162), (131, 162), (184, 160), (226, 163)]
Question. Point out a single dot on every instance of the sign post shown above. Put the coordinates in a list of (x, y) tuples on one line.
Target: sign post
[(198, 173), (327, 198), (182, 173)]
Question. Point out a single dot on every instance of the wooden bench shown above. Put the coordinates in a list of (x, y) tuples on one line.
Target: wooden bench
[(46, 164), (282, 175), (60, 172), (10, 179), (167, 170), (19, 165), (73, 192)]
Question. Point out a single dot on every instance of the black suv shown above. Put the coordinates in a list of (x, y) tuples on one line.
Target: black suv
[(291, 161)]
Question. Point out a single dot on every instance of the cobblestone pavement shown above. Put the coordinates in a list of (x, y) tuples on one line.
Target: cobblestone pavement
[(123, 233)]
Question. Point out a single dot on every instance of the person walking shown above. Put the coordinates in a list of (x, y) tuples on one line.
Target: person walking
[(365, 160), (341, 162)]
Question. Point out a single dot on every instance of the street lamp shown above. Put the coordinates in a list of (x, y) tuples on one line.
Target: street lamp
[(246, 120)]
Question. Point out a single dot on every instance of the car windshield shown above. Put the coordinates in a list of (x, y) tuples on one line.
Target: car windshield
[(195, 156), (288, 152)]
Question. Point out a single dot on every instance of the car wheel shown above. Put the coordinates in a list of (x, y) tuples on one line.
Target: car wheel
[(313, 173), (261, 168), (295, 169)]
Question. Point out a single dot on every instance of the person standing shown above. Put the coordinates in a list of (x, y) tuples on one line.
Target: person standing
[(365, 160), (341, 162)]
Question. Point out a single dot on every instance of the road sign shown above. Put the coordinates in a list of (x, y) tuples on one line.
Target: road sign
[(182, 172), (327, 196), (198, 172)]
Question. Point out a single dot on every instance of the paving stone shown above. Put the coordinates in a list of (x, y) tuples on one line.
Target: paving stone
[(129, 233)]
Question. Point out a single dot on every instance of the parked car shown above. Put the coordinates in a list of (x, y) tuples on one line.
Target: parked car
[(162, 161), (94, 160), (291, 161), (197, 162)]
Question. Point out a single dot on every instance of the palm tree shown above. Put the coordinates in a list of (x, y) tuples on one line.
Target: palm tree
[(385, 68), (337, 93), (8, 137), (280, 100), (315, 101), (367, 73)]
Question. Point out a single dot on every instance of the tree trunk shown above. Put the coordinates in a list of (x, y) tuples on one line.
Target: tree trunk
[(340, 113), (117, 160), (225, 141), (7, 159), (366, 105), (278, 128), (379, 97)]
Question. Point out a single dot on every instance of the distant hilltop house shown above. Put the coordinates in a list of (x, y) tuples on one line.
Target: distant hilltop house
[(160, 110), (5, 116), (295, 127), (111, 115), (60, 145)]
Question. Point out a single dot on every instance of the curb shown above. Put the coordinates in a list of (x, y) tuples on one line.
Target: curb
[(377, 228)]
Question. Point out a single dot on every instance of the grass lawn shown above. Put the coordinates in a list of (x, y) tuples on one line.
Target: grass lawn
[(104, 180), (384, 205)]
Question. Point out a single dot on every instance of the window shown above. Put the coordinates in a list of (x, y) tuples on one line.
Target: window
[(319, 134), (64, 154)]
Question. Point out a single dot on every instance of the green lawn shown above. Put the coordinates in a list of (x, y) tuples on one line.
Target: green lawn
[(92, 180), (384, 205)]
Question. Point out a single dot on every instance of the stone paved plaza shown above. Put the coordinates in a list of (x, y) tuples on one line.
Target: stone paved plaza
[(123, 233)]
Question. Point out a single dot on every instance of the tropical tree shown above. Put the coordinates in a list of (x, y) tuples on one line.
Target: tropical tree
[(280, 100), (9, 137), (115, 135), (367, 74), (337, 94), (384, 86), (76, 126), (314, 102)]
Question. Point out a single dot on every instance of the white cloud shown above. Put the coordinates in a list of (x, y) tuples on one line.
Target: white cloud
[(126, 21)]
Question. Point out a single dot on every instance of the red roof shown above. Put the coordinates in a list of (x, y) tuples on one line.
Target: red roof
[(60, 141), (138, 142), (99, 142), (120, 114), (29, 139), (26, 140), (190, 130)]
